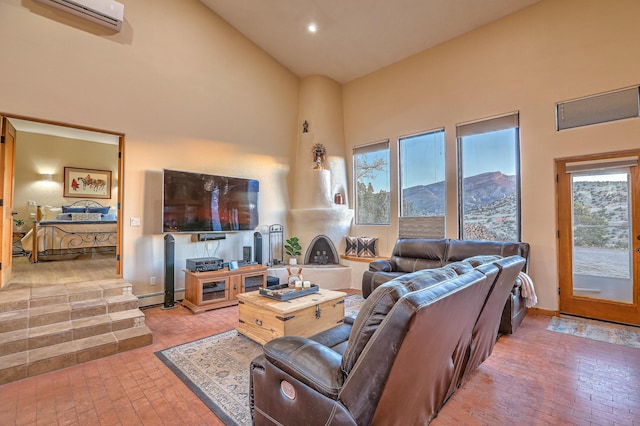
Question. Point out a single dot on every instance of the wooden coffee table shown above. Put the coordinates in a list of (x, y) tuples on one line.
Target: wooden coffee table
[(262, 319)]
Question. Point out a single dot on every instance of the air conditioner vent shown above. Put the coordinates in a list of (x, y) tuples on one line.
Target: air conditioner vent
[(107, 13)]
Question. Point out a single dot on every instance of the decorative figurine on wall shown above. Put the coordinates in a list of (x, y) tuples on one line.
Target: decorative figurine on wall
[(319, 153), (305, 127)]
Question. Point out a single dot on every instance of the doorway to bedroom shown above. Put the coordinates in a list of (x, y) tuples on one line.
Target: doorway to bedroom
[(62, 184)]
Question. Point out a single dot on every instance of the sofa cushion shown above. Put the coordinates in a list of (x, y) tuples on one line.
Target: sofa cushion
[(463, 249), (425, 278), (461, 267), (424, 248), (412, 264), (475, 261), (372, 313)]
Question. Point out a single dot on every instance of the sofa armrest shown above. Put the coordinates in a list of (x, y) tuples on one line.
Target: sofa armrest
[(308, 361), (381, 266)]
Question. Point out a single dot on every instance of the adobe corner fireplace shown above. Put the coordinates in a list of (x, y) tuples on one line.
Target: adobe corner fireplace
[(321, 251)]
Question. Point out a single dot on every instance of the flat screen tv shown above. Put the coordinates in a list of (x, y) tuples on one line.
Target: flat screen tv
[(199, 202)]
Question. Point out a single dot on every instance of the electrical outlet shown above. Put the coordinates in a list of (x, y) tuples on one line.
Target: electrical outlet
[(31, 203), (134, 221), (153, 281)]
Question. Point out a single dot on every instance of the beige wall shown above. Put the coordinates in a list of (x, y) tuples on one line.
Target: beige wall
[(188, 91), (553, 51), (37, 154)]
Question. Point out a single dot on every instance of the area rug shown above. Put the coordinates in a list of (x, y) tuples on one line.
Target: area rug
[(216, 369), (597, 330)]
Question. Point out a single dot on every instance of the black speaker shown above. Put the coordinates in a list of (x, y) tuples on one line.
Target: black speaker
[(246, 253), (257, 247), (169, 272)]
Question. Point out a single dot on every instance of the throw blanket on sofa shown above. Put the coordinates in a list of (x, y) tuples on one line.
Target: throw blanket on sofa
[(528, 292)]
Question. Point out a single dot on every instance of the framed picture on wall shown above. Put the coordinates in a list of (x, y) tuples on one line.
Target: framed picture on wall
[(87, 183)]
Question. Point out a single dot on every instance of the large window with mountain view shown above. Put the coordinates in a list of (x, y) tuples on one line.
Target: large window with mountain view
[(489, 179), (422, 165), (372, 183)]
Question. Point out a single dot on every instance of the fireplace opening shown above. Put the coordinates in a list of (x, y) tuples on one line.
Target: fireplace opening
[(321, 251)]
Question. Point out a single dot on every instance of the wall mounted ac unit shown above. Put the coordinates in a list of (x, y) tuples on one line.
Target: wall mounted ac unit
[(108, 13)]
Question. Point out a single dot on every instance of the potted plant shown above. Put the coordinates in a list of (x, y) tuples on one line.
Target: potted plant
[(293, 247), (18, 224)]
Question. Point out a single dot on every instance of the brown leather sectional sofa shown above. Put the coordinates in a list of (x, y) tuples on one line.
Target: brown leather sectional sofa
[(415, 340), (414, 254)]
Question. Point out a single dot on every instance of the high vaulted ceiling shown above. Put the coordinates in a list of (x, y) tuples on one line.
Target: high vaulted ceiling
[(355, 37)]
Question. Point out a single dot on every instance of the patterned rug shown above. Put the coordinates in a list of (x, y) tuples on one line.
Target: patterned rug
[(216, 369), (617, 334)]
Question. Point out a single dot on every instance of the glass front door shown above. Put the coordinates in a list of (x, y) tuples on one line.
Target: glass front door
[(602, 256), (599, 237)]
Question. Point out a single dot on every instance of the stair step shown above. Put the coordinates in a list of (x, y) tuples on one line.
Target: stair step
[(133, 338), (14, 320), (88, 308), (91, 326), (13, 342), (33, 297), (50, 334), (49, 314), (131, 318), (114, 287), (17, 366), (49, 358), (51, 327), (83, 291), (15, 300), (13, 367), (121, 302), (95, 347)]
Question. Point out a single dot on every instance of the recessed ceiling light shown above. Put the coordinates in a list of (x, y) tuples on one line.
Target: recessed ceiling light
[(312, 28)]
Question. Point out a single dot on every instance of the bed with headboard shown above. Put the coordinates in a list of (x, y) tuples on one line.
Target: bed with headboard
[(83, 227)]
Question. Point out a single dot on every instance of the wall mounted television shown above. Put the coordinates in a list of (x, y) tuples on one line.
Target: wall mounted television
[(199, 202)]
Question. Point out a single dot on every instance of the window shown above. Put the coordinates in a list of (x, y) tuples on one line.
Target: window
[(489, 179), (371, 177), (422, 186)]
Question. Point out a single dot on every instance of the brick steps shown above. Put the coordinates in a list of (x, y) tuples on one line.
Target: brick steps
[(47, 328)]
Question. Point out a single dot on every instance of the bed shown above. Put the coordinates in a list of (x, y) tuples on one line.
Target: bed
[(84, 227)]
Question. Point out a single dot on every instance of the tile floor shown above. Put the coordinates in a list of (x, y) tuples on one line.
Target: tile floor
[(534, 377)]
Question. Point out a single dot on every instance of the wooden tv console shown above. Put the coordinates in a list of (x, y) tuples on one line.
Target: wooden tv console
[(217, 289)]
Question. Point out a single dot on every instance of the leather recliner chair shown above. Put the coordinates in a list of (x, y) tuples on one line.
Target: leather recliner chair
[(402, 357)]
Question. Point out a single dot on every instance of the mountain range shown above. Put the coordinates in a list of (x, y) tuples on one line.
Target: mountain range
[(480, 190)]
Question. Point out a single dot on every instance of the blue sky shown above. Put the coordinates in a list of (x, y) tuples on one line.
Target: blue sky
[(426, 166), (489, 152)]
